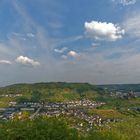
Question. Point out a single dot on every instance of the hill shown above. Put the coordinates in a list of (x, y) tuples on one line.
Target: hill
[(58, 91), (121, 87)]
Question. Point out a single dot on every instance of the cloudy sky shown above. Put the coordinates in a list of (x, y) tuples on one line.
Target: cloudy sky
[(95, 41)]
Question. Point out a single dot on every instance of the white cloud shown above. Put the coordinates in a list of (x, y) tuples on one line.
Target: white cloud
[(5, 62), (26, 61), (103, 31), (125, 2), (95, 44), (60, 50), (132, 25), (73, 54), (64, 56), (30, 35)]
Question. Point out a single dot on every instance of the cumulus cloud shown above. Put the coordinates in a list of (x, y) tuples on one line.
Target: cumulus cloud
[(26, 61), (5, 62), (125, 2), (103, 31), (73, 54)]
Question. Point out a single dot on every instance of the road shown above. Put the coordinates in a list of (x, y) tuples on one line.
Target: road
[(35, 114)]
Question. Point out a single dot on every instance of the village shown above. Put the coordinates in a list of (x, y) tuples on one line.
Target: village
[(125, 95), (76, 109)]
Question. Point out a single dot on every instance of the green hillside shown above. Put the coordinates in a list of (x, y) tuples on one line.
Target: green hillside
[(53, 91)]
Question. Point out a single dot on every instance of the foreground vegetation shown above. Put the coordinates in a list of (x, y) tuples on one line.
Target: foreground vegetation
[(59, 129)]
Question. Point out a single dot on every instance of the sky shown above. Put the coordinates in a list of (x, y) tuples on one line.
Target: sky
[(94, 41)]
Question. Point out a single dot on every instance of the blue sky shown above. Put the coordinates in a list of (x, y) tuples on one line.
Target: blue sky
[(95, 41)]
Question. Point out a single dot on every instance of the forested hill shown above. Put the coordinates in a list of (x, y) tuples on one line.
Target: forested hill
[(57, 91), (52, 85), (121, 87), (62, 91), (65, 89)]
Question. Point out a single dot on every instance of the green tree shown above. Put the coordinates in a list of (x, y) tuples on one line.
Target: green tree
[(36, 96)]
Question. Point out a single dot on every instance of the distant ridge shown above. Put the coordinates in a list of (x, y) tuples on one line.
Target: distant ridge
[(121, 87)]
